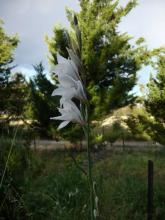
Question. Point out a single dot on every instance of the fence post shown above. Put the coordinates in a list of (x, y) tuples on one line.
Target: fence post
[(150, 191)]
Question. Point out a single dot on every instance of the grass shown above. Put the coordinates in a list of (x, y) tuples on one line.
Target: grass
[(124, 186), (52, 187)]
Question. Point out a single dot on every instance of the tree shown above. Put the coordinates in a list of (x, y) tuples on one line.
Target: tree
[(17, 98), (41, 106), (7, 47), (111, 62), (59, 42), (156, 95), (155, 102)]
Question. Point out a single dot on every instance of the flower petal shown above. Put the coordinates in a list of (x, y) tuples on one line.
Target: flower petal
[(67, 68), (58, 91), (69, 112), (68, 93), (74, 58), (66, 81), (81, 92), (63, 117), (70, 86), (63, 124), (61, 59)]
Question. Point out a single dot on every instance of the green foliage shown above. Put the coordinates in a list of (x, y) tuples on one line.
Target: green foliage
[(73, 133), (111, 134), (19, 162), (155, 101), (7, 47), (60, 194), (123, 181), (110, 61), (54, 188), (41, 106), (138, 122), (18, 97), (153, 128), (58, 43), (125, 124), (98, 138), (115, 132)]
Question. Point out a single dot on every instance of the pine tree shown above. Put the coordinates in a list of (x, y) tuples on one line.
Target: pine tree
[(41, 106), (155, 102), (17, 98), (111, 62), (156, 95), (7, 47)]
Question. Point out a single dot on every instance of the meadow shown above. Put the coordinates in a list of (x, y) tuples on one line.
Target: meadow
[(48, 185), (89, 78)]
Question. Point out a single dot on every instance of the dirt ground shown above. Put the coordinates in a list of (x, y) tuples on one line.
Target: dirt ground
[(117, 146)]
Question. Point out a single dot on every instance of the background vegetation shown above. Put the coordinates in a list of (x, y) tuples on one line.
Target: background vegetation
[(48, 185)]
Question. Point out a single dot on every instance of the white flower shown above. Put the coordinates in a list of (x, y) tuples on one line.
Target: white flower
[(74, 90), (70, 84), (75, 59), (69, 113)]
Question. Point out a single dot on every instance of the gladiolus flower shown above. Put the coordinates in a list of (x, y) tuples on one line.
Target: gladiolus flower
[(76, 90), (69, 113), (70, 86)]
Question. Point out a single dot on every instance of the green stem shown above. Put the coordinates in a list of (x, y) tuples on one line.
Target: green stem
[(76, 163), (8, 157), (90, 179)]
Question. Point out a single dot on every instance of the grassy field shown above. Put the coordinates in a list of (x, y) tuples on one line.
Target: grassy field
[(50, 186)]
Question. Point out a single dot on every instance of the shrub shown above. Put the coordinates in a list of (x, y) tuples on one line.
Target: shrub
[(15, 160)]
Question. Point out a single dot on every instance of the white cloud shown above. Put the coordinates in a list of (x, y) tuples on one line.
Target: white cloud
[(32, 19), (147, 20)]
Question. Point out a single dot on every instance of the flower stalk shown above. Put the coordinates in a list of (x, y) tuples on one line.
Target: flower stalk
[(71, 76), (90, 179)]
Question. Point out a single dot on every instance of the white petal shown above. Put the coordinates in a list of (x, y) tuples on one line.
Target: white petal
[(57, 70), (70, 107), (63, 124), (74, 67), (66, 68), (70, 89), (74, 57), (68, 116), (68, 93), (68, 104), (74, 111), (69, 112), (81, 92), (66, 81), (53, 118), (58, 91), (63, 117), (70, 86), (61, 110), (61, 59), (77, 111)]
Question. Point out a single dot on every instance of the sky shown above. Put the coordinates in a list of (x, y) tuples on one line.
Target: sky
[(34, 19)]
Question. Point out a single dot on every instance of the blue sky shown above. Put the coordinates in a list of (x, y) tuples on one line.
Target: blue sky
[(33, 19)]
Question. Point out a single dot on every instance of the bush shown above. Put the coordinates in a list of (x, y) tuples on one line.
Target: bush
[(62, 196), (15, 160), (123, 186)]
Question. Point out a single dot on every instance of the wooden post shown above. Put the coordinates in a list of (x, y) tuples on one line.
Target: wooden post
[(150, 191)]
